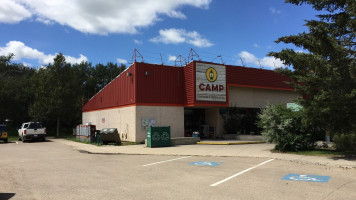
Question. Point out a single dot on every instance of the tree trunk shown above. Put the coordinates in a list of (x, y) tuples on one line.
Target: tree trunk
[(327, 136), (58, 127)]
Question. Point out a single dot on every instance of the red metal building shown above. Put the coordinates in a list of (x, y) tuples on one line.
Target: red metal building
[(150, 93)]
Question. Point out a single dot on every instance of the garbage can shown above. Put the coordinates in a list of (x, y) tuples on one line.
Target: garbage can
[(110, 135), (159, 136), (92, 138), (97, 137)]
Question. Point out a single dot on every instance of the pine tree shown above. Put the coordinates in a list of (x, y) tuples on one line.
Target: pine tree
[(325, 72)]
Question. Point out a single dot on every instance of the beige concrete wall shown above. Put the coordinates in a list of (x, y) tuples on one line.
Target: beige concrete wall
[(213, 118), (258, 98), (164, 116), (124, 119)]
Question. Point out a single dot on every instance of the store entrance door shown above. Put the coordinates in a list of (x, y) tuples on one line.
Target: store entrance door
[(194, 118)]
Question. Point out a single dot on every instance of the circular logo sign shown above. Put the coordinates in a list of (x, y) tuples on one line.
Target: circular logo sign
[(211, 74), (155, 136)]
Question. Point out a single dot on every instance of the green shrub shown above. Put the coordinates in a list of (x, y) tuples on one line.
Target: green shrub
[(286, 128), (345, 141)]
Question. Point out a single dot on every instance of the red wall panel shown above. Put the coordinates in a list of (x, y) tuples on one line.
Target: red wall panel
[(259, 78), (189, 84), (119, 92), (159, 84)]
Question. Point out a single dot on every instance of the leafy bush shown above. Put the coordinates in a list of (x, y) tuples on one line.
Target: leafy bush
[(345, 141), (286, 128)]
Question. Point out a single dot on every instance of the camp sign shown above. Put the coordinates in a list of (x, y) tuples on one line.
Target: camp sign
[(210, 82)]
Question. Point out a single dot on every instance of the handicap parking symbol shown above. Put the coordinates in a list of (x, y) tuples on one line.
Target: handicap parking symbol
[(206, 163), (308, 178)]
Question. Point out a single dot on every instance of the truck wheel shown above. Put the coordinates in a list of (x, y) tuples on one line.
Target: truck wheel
[(5, 140), (44, 139), (20, 138), (23, 139)]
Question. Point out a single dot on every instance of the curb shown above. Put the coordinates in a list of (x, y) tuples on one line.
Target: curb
[(231, 143)]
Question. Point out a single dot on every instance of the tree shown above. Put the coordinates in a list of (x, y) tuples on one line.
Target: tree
[(56, 90), (325, 74), (287, 129), (84, 75), (103, 74), (53, 94), (93, 79), (15, 95)]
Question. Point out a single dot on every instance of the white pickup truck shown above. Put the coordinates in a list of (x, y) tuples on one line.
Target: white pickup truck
[(32, 130)]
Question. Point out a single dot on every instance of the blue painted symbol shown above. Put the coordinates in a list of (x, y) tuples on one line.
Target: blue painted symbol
[(207, 163), (309, 178)]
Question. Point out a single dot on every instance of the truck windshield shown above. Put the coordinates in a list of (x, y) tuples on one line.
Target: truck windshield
[(35, 125), (2, 128)]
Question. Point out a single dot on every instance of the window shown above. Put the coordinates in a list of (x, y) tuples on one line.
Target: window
[(35, 125)]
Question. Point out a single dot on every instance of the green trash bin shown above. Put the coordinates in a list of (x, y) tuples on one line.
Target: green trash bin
[(97, 137), (110, 135), (159, 136)]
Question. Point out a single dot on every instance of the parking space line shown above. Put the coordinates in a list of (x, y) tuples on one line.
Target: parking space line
[(244, 171), (166, 161)]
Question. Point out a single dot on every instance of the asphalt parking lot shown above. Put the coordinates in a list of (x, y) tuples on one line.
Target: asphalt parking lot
[(50, 170)]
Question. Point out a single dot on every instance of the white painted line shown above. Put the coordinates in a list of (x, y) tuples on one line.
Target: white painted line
[(166, 161), (246, 170)]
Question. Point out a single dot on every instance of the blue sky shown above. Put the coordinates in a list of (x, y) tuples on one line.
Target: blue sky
[(108, 31)]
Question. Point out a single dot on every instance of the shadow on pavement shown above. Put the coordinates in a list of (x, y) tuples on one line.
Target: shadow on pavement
[(28, 141), (347, 157), (6, 196), (5, 142), (36, 141)]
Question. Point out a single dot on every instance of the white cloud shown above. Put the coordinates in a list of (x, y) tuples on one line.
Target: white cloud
[(12, 12), (274, 10), (267, 61), (21, 51), (167, 36), (176, 14), (301, 51), (121, 61), (44, 20), (172, 58), (272, 62), (98, 17), (256, 45), (248, 57), (138, 42), (71, 59), (26, 64), (176, 36)]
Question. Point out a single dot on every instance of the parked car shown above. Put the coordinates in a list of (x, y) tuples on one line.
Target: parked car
[(32, 130), (3, 133)]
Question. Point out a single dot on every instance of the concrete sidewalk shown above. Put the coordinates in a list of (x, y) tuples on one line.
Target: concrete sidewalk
[(262, 150)]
